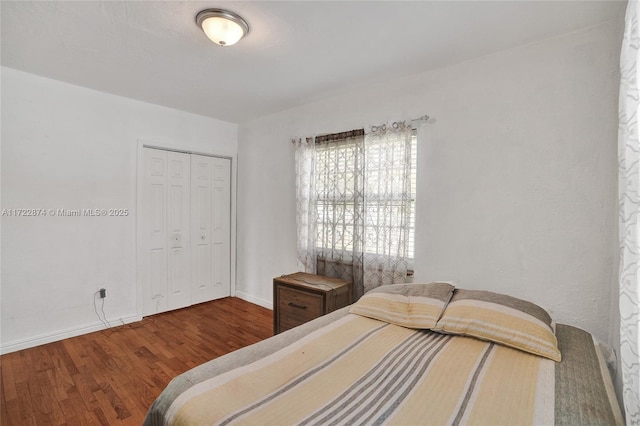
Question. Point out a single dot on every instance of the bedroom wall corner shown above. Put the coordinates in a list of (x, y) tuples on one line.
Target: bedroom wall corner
[(266, 217), (66, 148)]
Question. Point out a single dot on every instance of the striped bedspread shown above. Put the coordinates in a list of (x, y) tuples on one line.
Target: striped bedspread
[(357, 370)]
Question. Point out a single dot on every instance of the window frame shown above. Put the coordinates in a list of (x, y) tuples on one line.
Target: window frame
[(322, 200)]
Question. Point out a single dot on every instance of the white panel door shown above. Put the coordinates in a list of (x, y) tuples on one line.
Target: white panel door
[(210, 228), (221, 227), (178, 214), (166, 231), (185, 223), (154, 250)]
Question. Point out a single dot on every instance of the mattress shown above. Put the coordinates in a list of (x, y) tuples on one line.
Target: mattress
[(346, 368)]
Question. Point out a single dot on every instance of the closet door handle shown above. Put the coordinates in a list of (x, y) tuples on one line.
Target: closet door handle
[(295, 305)]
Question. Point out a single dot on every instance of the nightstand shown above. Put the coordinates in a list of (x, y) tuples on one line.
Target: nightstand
[(301, 297)]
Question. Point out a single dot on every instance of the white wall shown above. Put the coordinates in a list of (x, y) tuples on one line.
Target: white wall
[(517, 176), (67, 147)]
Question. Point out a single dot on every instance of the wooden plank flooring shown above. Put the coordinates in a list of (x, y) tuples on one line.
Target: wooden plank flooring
[(112, 376)]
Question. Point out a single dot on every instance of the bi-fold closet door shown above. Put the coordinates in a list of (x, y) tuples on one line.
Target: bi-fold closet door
[(186, 221)]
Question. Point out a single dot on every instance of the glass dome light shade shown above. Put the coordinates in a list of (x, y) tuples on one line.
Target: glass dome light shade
[(222, 27)]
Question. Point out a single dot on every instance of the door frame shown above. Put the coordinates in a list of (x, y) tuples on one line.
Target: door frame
[(176, 147)]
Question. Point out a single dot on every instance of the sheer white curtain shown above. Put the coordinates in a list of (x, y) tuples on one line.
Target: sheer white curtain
[(340, 206), (389, 204), (329, 205), (305, 204), (629, 198), (355, 205)]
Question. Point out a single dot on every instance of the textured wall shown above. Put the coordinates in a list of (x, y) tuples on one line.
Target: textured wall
[(517, 174)]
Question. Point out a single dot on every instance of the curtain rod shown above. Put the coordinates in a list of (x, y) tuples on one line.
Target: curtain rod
[(397, 124), (424, 118)]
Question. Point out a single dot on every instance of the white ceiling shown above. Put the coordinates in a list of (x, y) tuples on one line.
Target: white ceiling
[(296, 52)]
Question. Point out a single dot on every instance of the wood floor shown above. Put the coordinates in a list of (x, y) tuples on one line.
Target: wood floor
[(111, 377)]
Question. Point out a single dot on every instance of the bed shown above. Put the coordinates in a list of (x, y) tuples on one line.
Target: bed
[(405, 354)]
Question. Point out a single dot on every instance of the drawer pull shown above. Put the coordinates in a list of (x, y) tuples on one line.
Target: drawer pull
[(295, 305)]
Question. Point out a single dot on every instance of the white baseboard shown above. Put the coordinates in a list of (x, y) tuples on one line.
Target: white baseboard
[(55, 336), (42, 339), (255, 300)]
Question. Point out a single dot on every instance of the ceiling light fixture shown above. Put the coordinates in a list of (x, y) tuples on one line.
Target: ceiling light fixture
[(221, 26)]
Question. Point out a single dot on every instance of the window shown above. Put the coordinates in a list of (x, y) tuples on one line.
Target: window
[(356, 205), (339, 194), (388, 197)]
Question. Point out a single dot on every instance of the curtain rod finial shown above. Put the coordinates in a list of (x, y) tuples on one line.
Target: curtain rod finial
[(426, 119)]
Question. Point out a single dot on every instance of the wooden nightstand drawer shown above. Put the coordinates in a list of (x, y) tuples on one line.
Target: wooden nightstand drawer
[(299, 303), (301, 297)]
